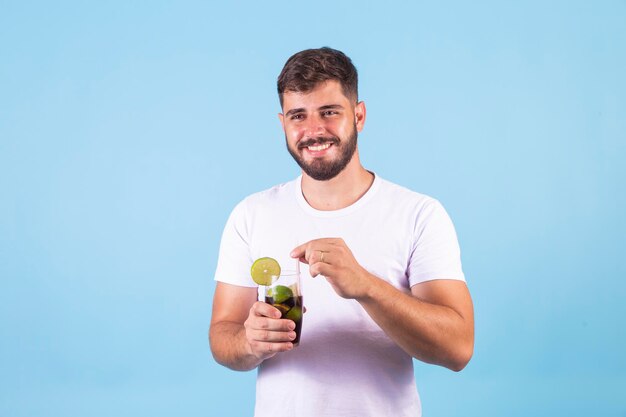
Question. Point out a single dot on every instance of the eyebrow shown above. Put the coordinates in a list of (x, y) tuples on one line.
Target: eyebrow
[(322, 108), (294, 111), (331, 107)]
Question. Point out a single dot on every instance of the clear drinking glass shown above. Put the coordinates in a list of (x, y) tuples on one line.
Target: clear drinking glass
[(285, 294)]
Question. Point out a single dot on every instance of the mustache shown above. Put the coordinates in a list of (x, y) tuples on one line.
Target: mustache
[(318, 141)]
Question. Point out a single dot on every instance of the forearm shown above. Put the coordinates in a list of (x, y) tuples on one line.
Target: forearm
[(429, 332), (230, 346)]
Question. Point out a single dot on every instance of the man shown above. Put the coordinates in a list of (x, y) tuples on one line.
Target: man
[(382, 277)]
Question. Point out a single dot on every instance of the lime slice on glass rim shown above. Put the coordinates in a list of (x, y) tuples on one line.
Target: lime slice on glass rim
[(264, 269)]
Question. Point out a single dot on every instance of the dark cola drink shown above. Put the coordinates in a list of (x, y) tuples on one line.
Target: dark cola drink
[(290, 307)]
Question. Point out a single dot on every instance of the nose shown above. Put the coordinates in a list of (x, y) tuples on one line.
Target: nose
[(314, 126)]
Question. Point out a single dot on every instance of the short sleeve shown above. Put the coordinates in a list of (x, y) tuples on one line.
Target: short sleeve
[(435, 252), (233, 264)]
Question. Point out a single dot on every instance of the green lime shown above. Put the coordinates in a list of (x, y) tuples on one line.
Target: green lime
[(282, 308), (280, 293), (263, 269), (294, 314)]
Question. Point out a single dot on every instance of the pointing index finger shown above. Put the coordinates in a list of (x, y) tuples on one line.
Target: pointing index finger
[(304, 250), (298, 251)]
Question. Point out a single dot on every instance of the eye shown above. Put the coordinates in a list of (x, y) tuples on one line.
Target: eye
[(297, 116), (327, 113)]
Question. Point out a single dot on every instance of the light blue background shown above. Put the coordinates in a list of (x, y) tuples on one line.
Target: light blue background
[(128, 131)]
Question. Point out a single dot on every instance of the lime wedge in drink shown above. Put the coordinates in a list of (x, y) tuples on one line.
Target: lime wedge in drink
[(280, 293), (263, 269), (282, 308), (294, 314)]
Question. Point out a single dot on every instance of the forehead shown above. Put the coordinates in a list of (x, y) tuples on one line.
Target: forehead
[(324, 94)]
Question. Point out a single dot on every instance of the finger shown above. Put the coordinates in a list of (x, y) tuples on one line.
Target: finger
[(266, 326), (321, 268), (317, 253), (271, 336), (262, 309), (269, 349), (269, 324), (327, 256), (309, 255), (317, 258), (300, 254), (301, 250)]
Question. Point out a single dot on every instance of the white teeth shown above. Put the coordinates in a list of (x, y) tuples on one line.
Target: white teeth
[(319, 147)]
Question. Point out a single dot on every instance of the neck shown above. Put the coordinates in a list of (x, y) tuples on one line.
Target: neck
[(339, 192)]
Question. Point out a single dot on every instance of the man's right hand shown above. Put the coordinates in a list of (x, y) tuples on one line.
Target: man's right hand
[(266, 333), (244, 332)]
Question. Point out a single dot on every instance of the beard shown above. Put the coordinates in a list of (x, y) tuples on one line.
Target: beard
[(320, 169)]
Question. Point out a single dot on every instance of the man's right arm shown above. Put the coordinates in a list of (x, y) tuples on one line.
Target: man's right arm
[(244, 332)]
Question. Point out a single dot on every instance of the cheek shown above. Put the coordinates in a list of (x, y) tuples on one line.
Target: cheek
[(293, 136), (340, 129), (297, 133)]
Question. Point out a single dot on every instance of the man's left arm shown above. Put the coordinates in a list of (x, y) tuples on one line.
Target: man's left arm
[(435, 323)]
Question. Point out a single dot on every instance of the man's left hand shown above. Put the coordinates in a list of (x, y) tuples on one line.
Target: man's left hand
[(332, 258)]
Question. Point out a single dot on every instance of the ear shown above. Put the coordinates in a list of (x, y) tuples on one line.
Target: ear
[(360, 112), (281, 117)]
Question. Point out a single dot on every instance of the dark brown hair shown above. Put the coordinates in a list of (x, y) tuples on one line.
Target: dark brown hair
[(306, 69)]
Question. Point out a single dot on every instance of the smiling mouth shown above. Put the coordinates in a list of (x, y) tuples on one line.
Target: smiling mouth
[(320, 147)]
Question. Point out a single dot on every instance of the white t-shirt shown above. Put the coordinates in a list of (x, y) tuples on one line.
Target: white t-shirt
[(345, 364)]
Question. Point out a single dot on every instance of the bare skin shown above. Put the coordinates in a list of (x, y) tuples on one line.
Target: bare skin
[(246, 332), (434, 323)]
